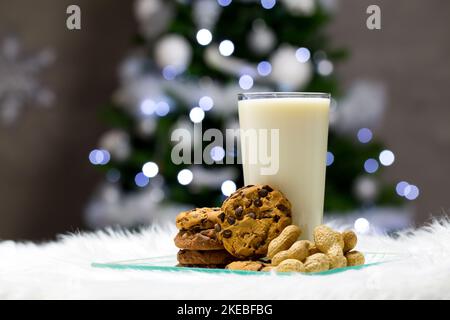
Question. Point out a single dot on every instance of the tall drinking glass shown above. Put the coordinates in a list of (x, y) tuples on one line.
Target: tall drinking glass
[(294, 127)]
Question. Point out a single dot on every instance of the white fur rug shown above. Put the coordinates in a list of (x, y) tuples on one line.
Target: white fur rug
[(61, 270)]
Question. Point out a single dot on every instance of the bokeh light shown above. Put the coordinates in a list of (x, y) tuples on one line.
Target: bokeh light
[(169, 72), (99, 157), (162, 108), (400, 188), (364, 135), (302, 55), (371, 165), (185, 177), (204, 37), (411, 192), (362, 225), (264, 68), (148, 107), (197, 115), (246, 82), (226, 48), (268, 4), (224, 3), (330, 158), (387, 157), (217, 153), (141, 180), (150, 169), (325, 67), (206, 103), (228, 187)]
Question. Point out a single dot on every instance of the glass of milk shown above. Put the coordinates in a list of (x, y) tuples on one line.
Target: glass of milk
[(284, 139)]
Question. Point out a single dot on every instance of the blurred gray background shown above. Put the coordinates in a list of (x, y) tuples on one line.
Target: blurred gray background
[(45, 176)]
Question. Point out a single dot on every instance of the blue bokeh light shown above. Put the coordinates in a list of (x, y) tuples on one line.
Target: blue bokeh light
[(411, 192), (206, 103), (268, 4), (330, 158), (99, 157), (264, 68), (364, 135), (224, 3), (141, 180), (162, 108), (400, 188), (217, 153), (302, 55), (169, 72), (371, 165)]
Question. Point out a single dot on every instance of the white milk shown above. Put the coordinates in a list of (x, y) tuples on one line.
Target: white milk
[(303, 135)]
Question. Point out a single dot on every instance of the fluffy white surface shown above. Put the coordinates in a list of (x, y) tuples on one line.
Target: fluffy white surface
[(61, 270)]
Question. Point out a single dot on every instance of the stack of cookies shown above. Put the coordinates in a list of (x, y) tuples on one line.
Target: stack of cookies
[(198, 240)]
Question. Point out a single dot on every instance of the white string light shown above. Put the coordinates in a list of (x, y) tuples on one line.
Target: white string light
[(226, 48), (197, 115), (325, 67), (206, 103), (204, 37), (228, 187), (185, 177), (387, 158), (148, 107), (150, 169), (302, 55), (362, 225), (246, 82)]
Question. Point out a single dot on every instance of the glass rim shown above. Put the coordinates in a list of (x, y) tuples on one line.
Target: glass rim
[(273, 95)]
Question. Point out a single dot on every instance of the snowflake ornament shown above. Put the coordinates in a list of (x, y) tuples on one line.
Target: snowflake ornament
[(19, 80)]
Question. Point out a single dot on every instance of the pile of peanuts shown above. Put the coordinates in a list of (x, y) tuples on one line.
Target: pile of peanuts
[(330, 250)]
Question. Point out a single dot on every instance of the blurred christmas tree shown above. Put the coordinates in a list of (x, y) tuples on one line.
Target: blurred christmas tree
[(190, 61)]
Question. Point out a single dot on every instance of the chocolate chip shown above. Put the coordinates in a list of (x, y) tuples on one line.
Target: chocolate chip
[(222, 217), (282, 207), (231, 220), (248, 203), (226, 234), (268, 188), (263, 193), (238, 212), (251, 215), (217, 227), (276, 218), (258, 202), (257, 245)]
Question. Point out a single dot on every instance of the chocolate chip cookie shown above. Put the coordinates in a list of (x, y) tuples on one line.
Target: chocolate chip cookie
[(198, 219), (201, 240), (252, 217), (210, 257)]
